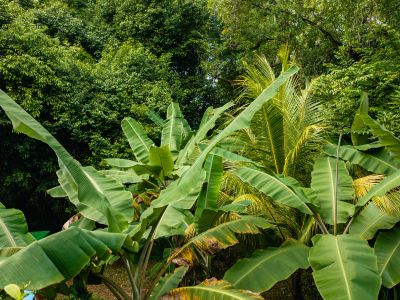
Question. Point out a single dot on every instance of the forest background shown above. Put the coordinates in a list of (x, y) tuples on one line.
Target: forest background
[(79, 67)]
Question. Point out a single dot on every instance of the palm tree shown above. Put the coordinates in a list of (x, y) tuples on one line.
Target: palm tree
[(287, 132)]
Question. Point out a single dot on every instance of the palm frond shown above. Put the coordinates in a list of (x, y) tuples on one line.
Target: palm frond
[(258, 76), (390, 202)]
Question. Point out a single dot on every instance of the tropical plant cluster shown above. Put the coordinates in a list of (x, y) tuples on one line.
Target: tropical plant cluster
[(180, 140)]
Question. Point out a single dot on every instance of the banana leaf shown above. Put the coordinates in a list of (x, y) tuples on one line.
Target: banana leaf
[(370, 220), (13, 228), (266, 267), (276, 188), (59, 257), (208, 196), (323, 183), (380, 162), (387, 250), (173, 131), (167, 283), (386, 138), (344, 268), (137, 139)]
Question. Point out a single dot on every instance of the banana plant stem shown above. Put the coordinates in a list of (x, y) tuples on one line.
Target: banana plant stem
[(336, 187)]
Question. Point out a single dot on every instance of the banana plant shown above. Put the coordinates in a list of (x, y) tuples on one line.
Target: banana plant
[(111, 224), (344, 264)]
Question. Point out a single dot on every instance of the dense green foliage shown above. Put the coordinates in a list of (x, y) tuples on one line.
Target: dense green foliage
[(80, 67), (294, 164)]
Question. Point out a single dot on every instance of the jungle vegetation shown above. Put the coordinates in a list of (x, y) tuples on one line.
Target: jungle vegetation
[(213, 148)]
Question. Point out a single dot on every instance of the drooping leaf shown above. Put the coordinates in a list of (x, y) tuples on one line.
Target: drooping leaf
[(276, 188), (266, 267), (58, 257), (57, 192), (119, 199), (88, 193), (212, 290), (386, 138), (344, 267), (358, 137), (167, 283), (220, 237), (370, 220), (387, 250), (13, 228), (121, 163), (137, 139), (380, 162), (324, 183), (380, 189), (366, 147)]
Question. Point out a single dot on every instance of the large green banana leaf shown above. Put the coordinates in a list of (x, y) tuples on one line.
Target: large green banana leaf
[(137, 139), (276, 188), (387, 250), (380, 163), (114, 191), (208, 196), (324, 185), (162, 157), (220, 237), (213, 290), (167, 283), (370, 220), (380, 189), (266, 267), (88, 192), (13, 228), (344, 268), (58, 257), (386, 138), (172, 132)]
